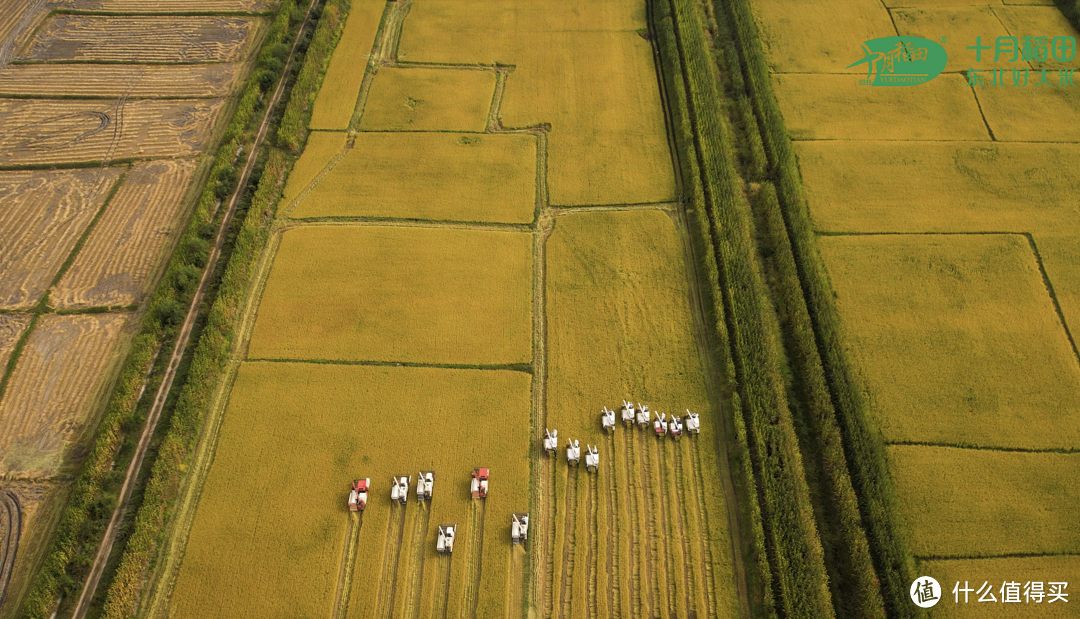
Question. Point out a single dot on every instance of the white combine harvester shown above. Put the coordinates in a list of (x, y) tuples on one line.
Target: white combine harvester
[(627, 413), (551, 441), (675, 426), (424, 481), (592, 459), (573, 452), (358, 495), (519, 527), (660, 424), (607, 420), (478, 487), (400, 490), (445, 542), (643, 415), (693, 424)]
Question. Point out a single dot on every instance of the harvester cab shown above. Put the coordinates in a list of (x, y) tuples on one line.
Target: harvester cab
[(627, 413), (519, 527), (675, 426), (445, 542), (693, 424), (607, 420), (358, 495), (643, 415), (400, 490), (479, 485), (592, 458), (660, 424), (424, 481), (551, 441), (573, 452)]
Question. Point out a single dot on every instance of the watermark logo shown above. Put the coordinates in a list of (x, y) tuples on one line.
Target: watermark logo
[(925, 591), (901, 61)]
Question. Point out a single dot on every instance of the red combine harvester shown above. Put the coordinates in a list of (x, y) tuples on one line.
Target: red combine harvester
[(479, 486), (358, 495)]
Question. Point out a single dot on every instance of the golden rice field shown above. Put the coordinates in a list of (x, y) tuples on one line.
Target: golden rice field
[(420, 99), (336, 101), (55, 390), (119, 80), (822, 37), (137, 231), (941, 345), (321, 149), (284, 557), (378, 293), (647, 536), (44, 214), (567, 64), (941, 109), (1006, 111), (41, 131), (961, 24), (440, 176), (975, 502), (995, 572), (141, 39), (940, 187)]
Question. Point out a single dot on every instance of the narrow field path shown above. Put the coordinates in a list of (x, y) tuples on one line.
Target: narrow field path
[(567, 576), (348, 561), (395, 533), (182, 341), (10, 532)]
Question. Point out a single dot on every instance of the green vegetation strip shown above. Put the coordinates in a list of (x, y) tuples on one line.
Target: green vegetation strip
[(865, 453), (799, 585), (211, 353), (165, 312)]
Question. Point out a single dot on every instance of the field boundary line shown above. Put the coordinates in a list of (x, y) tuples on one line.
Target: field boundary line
[(290, 224), (448, 66), (9, 545), (348, 561), (1016, 555), (510, 367), (1065, 451), (1053, 295)]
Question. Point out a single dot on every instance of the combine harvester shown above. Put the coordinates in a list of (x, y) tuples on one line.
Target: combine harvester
[(675, 426), (592, 458), (693, 424), (607, 420), (424, 481), (400, 490), (643, 415), (479, 485), (627, 413), (519, 527), (445, 541), (358, 495), (660, 424), (551, 441), (573, 452)]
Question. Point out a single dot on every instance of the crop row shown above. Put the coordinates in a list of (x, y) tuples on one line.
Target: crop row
[(865, 544), (165, 310), (786, 546)]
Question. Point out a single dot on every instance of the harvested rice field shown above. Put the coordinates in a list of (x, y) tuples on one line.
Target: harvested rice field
[(12, 327), (172, 6), (384, 293), (55, 390), (437, 176), (112, 81), (43, 131), (44, 215), (86, 38), (124, 252)]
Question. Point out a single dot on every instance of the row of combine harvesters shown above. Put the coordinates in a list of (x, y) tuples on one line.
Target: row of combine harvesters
[(691, 424), (425, 482)]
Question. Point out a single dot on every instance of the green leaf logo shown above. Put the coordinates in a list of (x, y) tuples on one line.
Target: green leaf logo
[(901, 61)]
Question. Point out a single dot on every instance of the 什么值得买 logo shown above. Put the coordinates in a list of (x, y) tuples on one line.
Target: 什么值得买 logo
[(901, 61)]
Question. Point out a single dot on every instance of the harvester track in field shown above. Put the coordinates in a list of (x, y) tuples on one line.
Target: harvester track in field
[(395, 532), (642, 590), (569, 527), (663, 531), (442, 587), (348, 562), (416, 562), (614, 582), (593, 553), (698, 488), (476, 552), (648, 515), (515, 597), (678, 507), (549, 542), (10, 531)]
